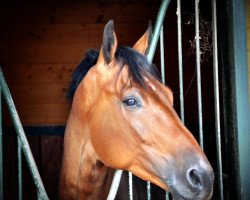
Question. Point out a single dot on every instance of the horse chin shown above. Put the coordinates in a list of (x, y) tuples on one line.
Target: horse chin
[(176, 195), (179, 193)]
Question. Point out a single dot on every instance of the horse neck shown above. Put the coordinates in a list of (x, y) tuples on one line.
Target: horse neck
[(83, 175)]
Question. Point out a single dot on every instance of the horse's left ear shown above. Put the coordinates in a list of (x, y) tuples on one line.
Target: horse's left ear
[(109, 44), (143, 43)]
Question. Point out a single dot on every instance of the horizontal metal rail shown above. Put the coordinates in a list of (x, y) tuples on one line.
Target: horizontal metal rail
[(41, 193)]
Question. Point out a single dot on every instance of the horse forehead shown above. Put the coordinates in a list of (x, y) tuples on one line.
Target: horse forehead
[(161, 92), (124, 80)]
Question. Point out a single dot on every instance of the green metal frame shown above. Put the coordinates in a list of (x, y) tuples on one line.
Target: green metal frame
[(1, 148), (235, 96), (157, 29), (23, 145)]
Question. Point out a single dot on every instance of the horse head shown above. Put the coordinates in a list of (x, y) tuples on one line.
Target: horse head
[(132, 123)]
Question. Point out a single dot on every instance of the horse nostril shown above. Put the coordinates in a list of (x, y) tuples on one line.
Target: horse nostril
[(194, 178)]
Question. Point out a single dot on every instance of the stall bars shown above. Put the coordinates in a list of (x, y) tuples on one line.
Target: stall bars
[(23, 146), (158, 32), (159, 23)]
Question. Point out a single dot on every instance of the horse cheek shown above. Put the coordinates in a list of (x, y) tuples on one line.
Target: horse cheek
[(106, 141)]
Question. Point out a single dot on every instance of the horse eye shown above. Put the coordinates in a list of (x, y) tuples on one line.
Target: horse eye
[(130, 102)]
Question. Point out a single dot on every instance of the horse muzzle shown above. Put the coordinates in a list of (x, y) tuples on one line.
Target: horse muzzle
[(195, 182)]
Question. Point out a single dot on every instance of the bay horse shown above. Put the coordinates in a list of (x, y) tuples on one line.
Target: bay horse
[(122, 117)]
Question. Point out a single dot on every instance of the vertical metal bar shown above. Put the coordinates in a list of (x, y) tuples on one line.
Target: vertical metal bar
[(23, 140), (19, 168), (236, 102), (163, 68), (148, 190), (162, 55), (1, 148), (197, 42), (114, 185), (157, 28), (180, 65), (151, 52), (216, 99), (130, 180)]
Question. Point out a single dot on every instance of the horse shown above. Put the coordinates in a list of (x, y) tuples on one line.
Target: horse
[(122, 117)]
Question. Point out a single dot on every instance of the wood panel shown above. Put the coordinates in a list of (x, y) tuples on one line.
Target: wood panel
[(38, 73), (41, 44), (47, 152), (83, 12), (51, 155), (68, 33), (39, 114), (10, 167)]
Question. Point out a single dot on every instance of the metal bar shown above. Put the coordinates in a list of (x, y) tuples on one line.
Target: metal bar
[(1, 148), (157, 28), (163, 69), (180, 65), (19, 168), (23, 140), (216, 99), (130, 179), (114, 185), (150, 55), (148, 190), (242, 107), (236, 97), (235, 90), (162, 55), (197, 45), (152, 48)]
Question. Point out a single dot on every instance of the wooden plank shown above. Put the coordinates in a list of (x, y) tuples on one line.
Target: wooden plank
[(38, 93), (48, 53), (43, 53), (38, 73), (10, 166), (51, 156), (68, 33), (29, 189), (40, 114), (84, 12)]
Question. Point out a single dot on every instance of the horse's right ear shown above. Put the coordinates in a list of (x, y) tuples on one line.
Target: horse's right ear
[(109, 44), (142, 45)]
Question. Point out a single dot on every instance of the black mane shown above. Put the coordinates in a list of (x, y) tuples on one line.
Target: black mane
[(125, 55)]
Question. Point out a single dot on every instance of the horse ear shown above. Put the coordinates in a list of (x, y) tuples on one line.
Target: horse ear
[(109, 44), (143, 43)]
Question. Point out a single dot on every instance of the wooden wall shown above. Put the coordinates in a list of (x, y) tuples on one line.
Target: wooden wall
[(40, 45)]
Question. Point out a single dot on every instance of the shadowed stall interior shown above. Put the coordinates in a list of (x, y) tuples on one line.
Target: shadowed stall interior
[(42, 42)]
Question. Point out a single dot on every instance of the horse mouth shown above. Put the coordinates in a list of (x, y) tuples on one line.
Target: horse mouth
[(174, 193), (177, 195)]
